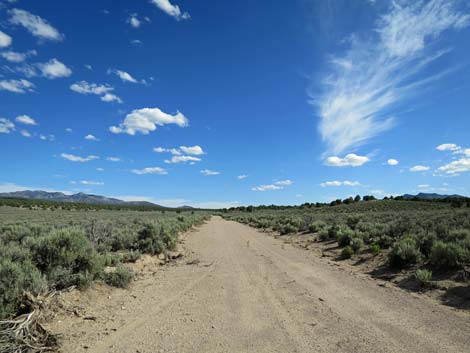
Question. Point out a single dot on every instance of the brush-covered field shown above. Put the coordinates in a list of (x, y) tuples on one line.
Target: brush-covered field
[(44, 249), (427, 236)]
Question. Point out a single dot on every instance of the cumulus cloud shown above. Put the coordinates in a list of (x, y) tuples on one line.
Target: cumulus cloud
[(145, 120), (26, 120), (6, 126), (350, 160), (241, 177), (209, 172), (16, 57), (362, 88), (134, 21), (16, 86), (26, 133), (192, 150), (392, 162), (47, 138), (54, 69), (84, 87), (454, 148), (74, 158), (113, 159), (455, 167), (5, 40), (419, 168), (36, 25), (170, 9), (278, 185), (110, 97), (182, 159), (91, 137), (150, 170)]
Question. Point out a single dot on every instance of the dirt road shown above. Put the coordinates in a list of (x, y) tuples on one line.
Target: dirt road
[(253, 293)]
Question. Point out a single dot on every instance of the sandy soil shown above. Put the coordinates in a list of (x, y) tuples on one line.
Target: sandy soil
[(239, 290)]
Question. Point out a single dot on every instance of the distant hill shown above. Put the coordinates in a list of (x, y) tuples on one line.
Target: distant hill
[(78, 198), (432, 196)]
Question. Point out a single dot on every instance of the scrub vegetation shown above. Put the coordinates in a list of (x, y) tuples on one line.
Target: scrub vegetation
[(44, 248)]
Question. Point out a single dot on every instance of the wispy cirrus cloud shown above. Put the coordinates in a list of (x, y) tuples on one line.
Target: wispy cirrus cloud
[(74, 158), (150, 170), (340, 183), (363, 86), (278, 185)]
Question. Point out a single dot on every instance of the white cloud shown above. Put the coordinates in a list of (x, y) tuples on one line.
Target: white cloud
[(16, 86), (91, 137), (134, 21), (424, 186), (68, 130), (350, 160), (455, 149), (6, 126), (364, 86), (5, 40), (209, 172), (100, 169), (74, 158), (447, 147), (54, 69), (84, 87), (11, 187), (170, 9), (89, 182), (36, 25), (160, 149), (182, 159), (340, 183), (268, 187), (46, 138), (146, 120), (392, 162), (110, 97), (150, 170), (124, 76), (241, 177), (113, 159), (284, 182), (455, 167), (419, 168), (25, 133), (192, 150), (16, 57), (278, 185), (25, 119)]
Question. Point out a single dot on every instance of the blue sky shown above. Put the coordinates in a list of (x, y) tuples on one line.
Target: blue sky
[(222, 103)]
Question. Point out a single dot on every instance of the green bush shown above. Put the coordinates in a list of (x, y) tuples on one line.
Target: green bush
[(288, 229), (345, 237), (131, 256), (316, 226), (448, 255), (347, 252), (357, 244), (66, 258), (119, 278), (404, 252), (16, 277), (424, 278), (375, 249)]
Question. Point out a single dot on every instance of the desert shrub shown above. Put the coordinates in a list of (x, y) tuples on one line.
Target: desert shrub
[(426, 243), (347, 252), (131, 256), (16, 277), (357, 244), (345, 236), (323, 234), (385, 241), (149, 240), (316, 226), (424, 278), (404, 252), (333, 232), (66, 258), (120, 277), (447, 255), (353, 221), (288, 229), (375, 249)]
